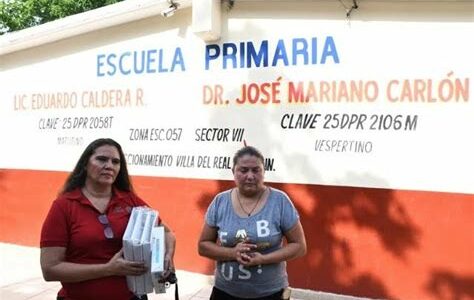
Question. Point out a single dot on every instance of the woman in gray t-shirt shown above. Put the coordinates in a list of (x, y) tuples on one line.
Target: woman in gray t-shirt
[(243, 233)]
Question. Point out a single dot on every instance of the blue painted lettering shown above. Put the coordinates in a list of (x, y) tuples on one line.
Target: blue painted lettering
[(140, 62), (282, 53), (100, 64), (112, 70), (178, 60), (255, 56), (329, 51), (230, 53), (122, 64)]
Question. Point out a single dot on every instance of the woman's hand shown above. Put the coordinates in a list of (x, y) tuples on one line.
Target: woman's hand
[(170, 245), (243, 252), (119, 266), (168, 266), (252, 259), (295, 247)]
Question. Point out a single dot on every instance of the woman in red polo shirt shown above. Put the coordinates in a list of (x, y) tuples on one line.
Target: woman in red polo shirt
[(81, 238)]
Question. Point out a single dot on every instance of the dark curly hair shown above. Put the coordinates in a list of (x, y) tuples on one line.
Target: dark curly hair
[(77, 178)]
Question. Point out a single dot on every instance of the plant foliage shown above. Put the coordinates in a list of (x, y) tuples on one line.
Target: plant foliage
[(21, 14)]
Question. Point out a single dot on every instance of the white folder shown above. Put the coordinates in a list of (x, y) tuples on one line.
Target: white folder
[(137, 246)]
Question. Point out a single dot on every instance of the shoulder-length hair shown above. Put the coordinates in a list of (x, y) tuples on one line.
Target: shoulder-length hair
[(77, 178)]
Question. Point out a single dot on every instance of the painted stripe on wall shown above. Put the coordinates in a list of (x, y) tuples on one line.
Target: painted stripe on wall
[(361, 241)]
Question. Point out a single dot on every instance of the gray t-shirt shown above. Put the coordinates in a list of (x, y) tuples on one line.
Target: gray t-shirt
[(265, 229)]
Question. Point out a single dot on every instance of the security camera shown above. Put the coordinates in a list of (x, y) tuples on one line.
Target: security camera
[(170, 10)]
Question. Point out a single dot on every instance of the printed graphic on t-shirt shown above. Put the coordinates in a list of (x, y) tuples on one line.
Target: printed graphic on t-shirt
[(262, 237), (265, 229)]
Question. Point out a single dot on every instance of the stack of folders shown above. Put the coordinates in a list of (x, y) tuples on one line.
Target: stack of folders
[(144, 241)]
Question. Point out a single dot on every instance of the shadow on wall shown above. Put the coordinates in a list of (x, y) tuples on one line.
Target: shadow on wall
[(328, 265), (445, 285), (366, 209)]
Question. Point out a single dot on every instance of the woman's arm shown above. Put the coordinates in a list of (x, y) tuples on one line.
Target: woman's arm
[(54, 267), (295, 247), (208, 246), (170, 246)]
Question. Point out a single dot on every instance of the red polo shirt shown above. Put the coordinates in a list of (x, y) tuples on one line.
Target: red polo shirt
[(72, 222)]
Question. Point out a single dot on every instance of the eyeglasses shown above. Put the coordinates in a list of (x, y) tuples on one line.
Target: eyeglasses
[(109, 234)]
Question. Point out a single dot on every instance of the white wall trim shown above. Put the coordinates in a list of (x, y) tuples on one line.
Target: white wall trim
[(107, 16)]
